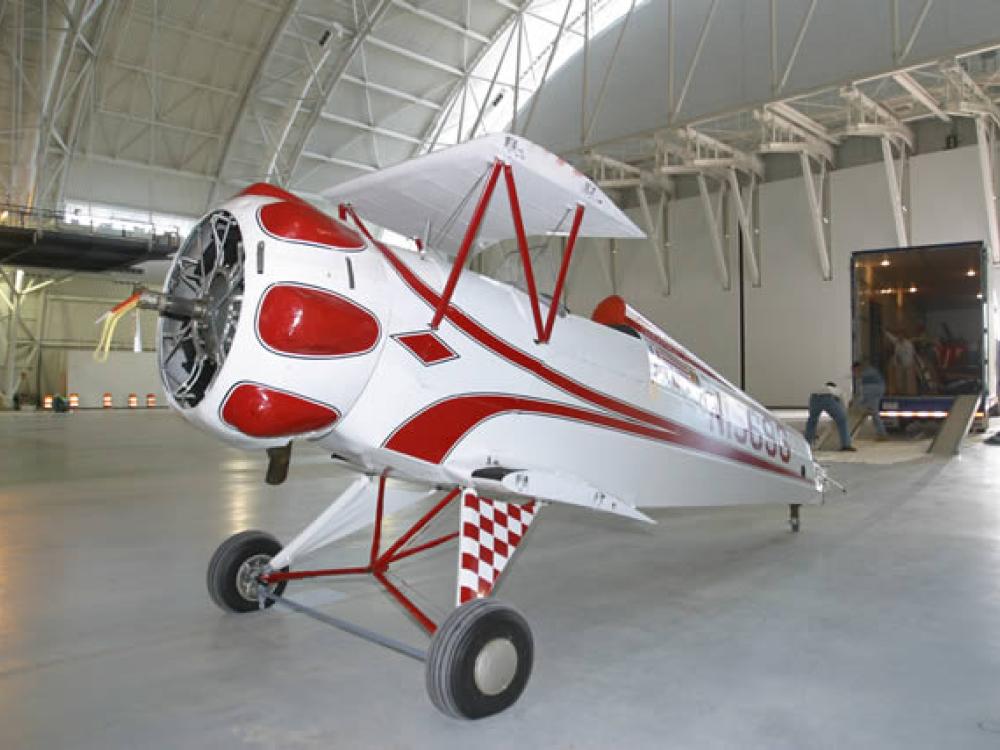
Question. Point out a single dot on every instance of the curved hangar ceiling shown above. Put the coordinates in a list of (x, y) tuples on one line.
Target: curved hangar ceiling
[(169, 104)]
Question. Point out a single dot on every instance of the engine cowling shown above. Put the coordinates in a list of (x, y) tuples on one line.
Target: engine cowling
[(270, 320)]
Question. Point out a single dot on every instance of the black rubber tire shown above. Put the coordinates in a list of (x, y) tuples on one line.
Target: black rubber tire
[(226, 562), (451, 682)]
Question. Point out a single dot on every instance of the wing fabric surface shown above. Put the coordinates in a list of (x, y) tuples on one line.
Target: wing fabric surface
[(433, 197)]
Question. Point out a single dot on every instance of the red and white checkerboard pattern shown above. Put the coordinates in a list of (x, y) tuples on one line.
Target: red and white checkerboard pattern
[(490, 531)]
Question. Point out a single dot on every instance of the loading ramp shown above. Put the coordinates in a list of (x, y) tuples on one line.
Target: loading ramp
[(947, 442), (955, 427)]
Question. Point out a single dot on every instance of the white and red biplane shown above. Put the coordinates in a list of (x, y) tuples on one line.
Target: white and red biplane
[(279, 322)]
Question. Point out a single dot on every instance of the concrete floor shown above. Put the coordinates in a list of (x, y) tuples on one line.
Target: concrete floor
[(878, 626)]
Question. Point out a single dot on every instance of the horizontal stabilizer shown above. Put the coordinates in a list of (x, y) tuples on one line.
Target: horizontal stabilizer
[(433, 197)]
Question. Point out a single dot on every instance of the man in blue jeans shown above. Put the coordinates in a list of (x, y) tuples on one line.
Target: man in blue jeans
[(870, 390), (831, 401)]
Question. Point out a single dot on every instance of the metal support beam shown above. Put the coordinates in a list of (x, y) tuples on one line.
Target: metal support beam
[(653, 237), (985, 141), (624, 175), (707, 153), (714, 217), (523, 8), (613, 264), (671, 57), (902, 54), (493, 81), (318, 88), (446, 23), (897, 176), (780, 136), (607, 73), (815, 195), (585, 78), (517, 72), (745, 214), (663, 232), (794, 116), (53, 63), (868, 117), (676, 107), (386, 132), (803, 27), (409, 54), (390, 91), (548, 66), (607, 265), (350, 164), (25, 330), (921, 94), (10, 379), (249, 92), (966, 97), (461, 93)]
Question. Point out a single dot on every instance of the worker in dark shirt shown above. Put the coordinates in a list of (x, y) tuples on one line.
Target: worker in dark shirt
[(870, 387)]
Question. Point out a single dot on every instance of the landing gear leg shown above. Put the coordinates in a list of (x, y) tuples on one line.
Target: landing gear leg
[(793, 517)]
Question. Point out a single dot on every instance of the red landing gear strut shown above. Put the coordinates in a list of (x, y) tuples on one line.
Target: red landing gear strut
[(480, 655), (379, 564)]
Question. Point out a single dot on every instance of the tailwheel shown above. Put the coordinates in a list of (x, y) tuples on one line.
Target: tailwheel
[(480, 660), (793, 518), (235, 567)]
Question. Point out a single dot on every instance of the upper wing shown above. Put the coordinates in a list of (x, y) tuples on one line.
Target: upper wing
[(434, 196)]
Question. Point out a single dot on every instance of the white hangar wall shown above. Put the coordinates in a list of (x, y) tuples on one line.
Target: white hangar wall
[(697, 312), (797, 326), (798, 331), (63, 318)]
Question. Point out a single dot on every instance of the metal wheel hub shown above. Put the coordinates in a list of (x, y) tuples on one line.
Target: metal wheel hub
[(496, 665), (248, 574)]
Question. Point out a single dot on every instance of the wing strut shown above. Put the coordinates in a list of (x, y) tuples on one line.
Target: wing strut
[(543, 330), (463, 251)]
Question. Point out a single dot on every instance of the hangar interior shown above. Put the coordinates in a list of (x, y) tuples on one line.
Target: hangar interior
[(765, 147)]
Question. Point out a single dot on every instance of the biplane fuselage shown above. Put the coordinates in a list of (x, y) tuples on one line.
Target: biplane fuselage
[(335, 346), (281, 323)]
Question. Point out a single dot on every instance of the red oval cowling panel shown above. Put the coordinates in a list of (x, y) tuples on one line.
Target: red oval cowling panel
[(308, 322), (297, 221), (262, 412)]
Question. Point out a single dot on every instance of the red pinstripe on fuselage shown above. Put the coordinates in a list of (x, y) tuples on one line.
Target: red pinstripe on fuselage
[(433, 433)]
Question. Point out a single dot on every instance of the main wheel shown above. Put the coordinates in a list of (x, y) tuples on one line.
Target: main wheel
[(480, 660), (235, 566)]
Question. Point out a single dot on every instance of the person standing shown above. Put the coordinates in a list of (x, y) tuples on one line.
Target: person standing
[(830, 400), (904, 359), (870, 389)]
